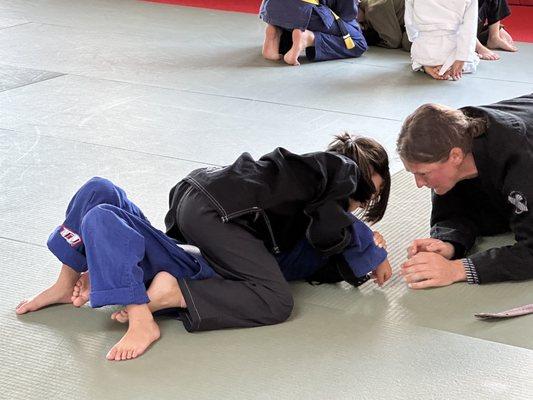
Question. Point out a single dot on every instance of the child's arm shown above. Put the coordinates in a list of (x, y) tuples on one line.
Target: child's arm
[(467, 33), (410, 28), (382, 273)]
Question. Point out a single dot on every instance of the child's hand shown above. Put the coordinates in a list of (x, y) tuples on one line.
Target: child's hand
[(379, 240), (382, 273)]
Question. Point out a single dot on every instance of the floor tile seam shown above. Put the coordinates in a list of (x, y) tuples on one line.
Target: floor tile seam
[(204, 163), (236, 98), (35, 82), (13, 26), (8, 239), (396, 324), (494, 342)]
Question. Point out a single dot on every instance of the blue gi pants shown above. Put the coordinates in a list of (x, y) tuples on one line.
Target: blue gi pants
[(329, 44), (107, 234)]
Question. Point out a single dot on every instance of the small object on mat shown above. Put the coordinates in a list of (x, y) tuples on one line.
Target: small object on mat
[(514, 312)]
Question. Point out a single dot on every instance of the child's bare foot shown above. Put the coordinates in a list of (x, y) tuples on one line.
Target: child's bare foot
[(496, 42), (164, 292), (486, 54), (59, 293), (271, 43), (82, 288), (142, 332), (434, 73), (300, 40)]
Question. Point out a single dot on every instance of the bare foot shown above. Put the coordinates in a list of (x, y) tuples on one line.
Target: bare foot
[(486, 54), (300, 40), (505, 36), (499, 43), (271, 43), (59, 293), (80, 293), (164, 292), (434, 73), (142, 332)]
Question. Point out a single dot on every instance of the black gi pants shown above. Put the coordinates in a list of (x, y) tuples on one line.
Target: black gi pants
[(252, 290), (490, 12)]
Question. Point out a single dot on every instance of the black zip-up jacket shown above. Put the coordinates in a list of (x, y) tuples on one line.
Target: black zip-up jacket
[(499, 199), (283, 195)]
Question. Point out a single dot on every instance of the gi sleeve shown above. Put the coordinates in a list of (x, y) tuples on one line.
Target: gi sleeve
[(513, 262), (410, 27), (467, 33), (363, 255), (328, 231)]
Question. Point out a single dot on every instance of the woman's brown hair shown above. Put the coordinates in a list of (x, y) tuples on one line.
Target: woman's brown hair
[(370, 157), (432, 130)]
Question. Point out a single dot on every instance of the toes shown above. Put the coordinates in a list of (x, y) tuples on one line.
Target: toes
[(21, 303), (22, 307), (123, 316), (112, 353)]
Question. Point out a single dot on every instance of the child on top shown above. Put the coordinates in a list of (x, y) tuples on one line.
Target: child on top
[(107, 235)]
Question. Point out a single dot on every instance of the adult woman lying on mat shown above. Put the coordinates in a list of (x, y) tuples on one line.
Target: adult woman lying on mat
[(478, 162), (258, 223), (325, 29)]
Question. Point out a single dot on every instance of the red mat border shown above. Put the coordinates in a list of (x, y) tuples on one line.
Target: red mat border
[(244, 6), (518, 23)]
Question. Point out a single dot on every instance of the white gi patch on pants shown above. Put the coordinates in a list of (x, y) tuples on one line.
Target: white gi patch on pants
[(72, 238), (518, 200)]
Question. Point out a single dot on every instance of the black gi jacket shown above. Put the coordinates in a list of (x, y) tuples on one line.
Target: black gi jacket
[(283, 196), (499, 199)]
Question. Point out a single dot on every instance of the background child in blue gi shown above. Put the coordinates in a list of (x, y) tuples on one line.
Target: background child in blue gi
[(325, 29), (106, 234)]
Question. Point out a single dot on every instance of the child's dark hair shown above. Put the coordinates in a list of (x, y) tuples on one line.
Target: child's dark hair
[(370, 157)]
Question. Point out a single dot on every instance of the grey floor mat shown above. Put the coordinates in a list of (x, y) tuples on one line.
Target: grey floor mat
[(142, 93)]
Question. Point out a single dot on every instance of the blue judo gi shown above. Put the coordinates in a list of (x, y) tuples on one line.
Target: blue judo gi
[(108, 235), (329, 42)]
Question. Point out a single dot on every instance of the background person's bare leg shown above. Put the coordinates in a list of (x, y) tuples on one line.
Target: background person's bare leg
[(271, 43), (496, 41), (300, 40), (484, 53)]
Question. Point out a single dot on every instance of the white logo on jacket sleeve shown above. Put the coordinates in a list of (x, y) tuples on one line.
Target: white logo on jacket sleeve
[(519, 201), (72, 238)]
